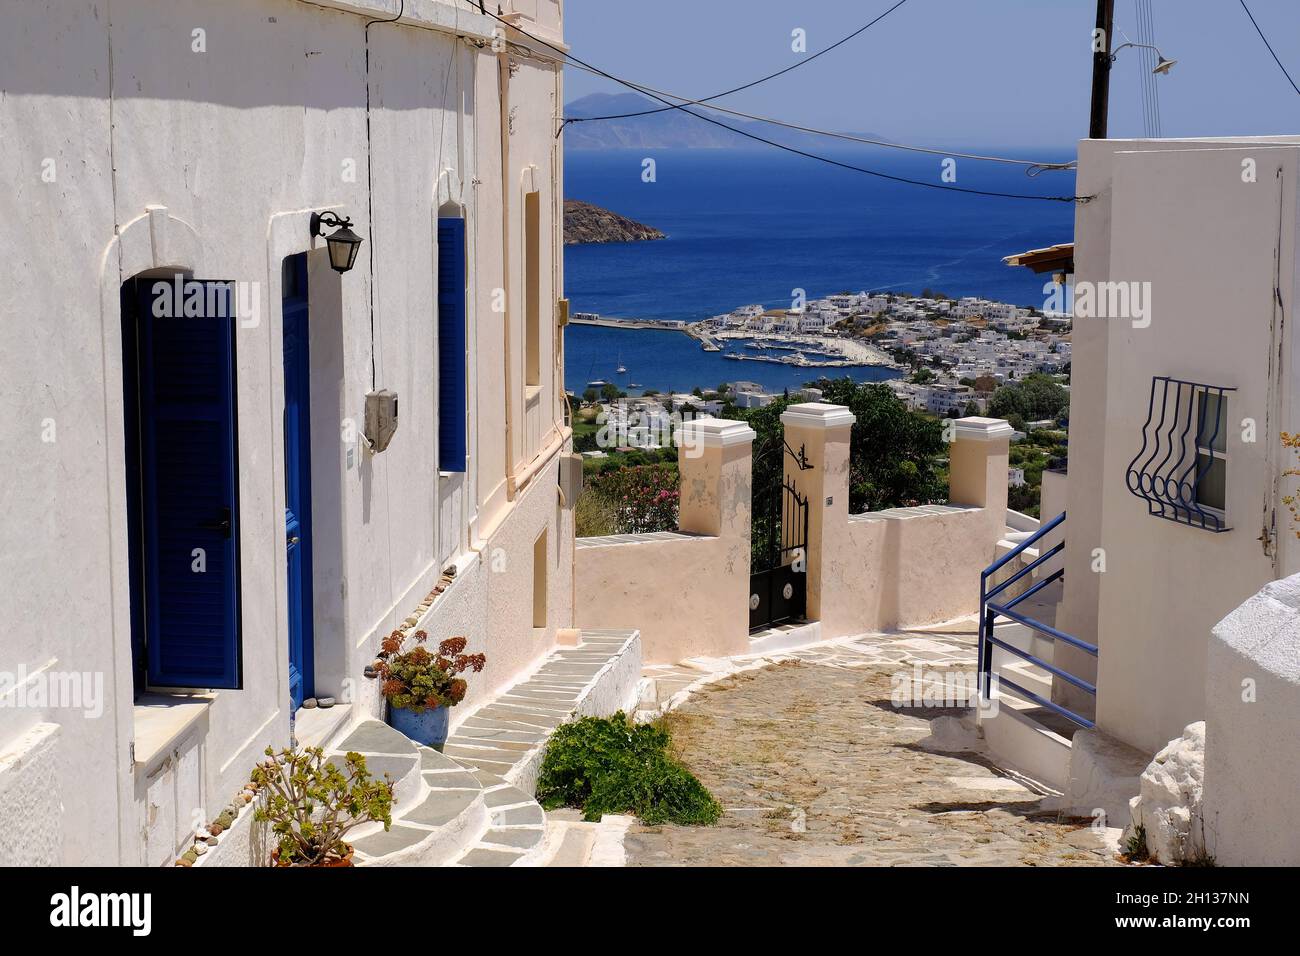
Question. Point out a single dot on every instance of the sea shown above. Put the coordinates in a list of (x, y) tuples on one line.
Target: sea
[(756, 226)]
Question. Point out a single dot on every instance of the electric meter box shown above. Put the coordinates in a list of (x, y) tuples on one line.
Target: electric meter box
[(381, 418)]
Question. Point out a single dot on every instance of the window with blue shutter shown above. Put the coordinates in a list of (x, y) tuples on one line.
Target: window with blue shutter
[(183, 510), (452, 352)]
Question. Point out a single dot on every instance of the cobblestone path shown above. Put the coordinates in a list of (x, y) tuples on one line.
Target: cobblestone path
[(816, 767)]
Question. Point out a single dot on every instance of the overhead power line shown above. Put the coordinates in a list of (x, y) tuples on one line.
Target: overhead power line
[(1146, 74), (763, 79), (1270, 47), (781, 146), (1034, 165)]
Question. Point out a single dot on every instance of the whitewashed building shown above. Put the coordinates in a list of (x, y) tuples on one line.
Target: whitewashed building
[(197, 517), (1180, 550)]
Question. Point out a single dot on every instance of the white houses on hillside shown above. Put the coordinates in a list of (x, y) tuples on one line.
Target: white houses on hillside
[(206, 508)]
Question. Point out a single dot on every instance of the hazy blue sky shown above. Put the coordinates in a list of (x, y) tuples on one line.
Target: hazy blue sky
[(973, 72)]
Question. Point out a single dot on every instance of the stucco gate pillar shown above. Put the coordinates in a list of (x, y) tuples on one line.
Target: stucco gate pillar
[(822, 433), (715, 469), (977, 468)]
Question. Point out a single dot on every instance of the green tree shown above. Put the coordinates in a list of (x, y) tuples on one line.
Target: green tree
[(590, 396), (892, 454), (609, 392), (1035, 397)]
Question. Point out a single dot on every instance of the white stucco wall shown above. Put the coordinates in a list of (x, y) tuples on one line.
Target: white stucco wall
[(867, 572), (1179, 216), (211, 162), (1252, 731)]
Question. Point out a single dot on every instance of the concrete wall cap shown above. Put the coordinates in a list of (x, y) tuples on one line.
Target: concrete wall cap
[(983, 429), (714, 433), (817, 415)]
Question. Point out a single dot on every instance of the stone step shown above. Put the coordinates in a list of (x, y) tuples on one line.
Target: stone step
[(783, 637), (515, 834), (575, 847), (506, 737), (387, 751), (472, 804), (438, 806)]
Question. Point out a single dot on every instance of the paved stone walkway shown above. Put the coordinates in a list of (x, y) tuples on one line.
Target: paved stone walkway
[(817, 767)]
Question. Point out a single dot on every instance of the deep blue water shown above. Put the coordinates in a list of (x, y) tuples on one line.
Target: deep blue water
[(673, 361), (751, 226)]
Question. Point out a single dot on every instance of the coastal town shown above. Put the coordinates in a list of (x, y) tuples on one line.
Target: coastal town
[(952, 353)]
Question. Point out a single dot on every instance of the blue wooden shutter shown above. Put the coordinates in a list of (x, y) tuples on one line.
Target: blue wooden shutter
[(189, 491), (452, 353)]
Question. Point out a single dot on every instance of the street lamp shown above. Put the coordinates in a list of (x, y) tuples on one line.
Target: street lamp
[(342, 244), (1163, 65)]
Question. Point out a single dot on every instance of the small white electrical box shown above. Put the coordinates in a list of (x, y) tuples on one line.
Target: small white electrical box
[(571, 477), (381, 419)]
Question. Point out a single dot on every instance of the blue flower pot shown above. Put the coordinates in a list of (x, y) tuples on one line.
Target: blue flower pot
[(428, 727)]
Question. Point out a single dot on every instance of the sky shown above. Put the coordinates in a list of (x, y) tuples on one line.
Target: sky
[(1013, 73)]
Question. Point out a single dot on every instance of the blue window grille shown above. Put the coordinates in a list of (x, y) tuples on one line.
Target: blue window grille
[(1180, 470)]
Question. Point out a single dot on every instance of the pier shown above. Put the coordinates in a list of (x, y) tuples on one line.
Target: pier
[(657, 325)]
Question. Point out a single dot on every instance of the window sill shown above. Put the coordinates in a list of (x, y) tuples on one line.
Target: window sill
[(531, 393), (162, 719)]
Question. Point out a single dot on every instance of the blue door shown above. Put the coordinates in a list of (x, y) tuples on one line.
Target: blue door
[(183, 507), (297, 477)]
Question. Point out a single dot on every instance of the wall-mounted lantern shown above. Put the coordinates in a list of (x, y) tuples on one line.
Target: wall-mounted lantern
[(343, 243)]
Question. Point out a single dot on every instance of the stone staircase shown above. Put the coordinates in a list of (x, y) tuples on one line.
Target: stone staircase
[(472, 804), (440, 806)]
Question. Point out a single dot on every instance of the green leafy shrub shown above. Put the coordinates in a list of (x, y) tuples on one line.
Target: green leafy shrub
[(311, 803), (610, 765)]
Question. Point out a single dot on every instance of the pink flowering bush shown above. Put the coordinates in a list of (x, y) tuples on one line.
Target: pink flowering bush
[(643, 498)]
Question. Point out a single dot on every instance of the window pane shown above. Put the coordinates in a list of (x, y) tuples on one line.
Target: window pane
[(1211, 414), (1210, 491)]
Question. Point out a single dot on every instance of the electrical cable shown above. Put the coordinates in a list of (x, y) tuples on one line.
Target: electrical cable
[(844, 136), (790, 149), (771, 76), (1270, 47)]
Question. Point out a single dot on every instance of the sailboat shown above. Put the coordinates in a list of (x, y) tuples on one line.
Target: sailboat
[(622, 370)]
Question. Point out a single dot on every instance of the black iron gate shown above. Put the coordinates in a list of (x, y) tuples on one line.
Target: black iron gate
[(778, 582)]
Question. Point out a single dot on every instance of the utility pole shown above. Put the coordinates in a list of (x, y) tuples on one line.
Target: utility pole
[(1101, 69)]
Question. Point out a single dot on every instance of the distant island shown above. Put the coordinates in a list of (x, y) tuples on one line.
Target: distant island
[(668, 129), (584, 222)]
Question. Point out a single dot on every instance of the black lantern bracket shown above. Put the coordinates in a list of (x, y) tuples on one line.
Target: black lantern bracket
[(326, 219), (343, 243)]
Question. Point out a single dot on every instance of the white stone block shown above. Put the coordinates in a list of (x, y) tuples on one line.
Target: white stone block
[(1252, 749), (1168, 807)]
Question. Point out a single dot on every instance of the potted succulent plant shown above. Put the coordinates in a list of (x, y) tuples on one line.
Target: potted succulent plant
[(311, 803), (420, 686)]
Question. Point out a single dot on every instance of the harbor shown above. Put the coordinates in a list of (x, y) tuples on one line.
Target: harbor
[(669, 361), (806, 350)]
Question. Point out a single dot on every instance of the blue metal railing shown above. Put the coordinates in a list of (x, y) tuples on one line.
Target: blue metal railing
[(991, 611)]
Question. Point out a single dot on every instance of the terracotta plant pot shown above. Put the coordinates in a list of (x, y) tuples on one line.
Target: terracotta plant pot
[(345, 860)]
